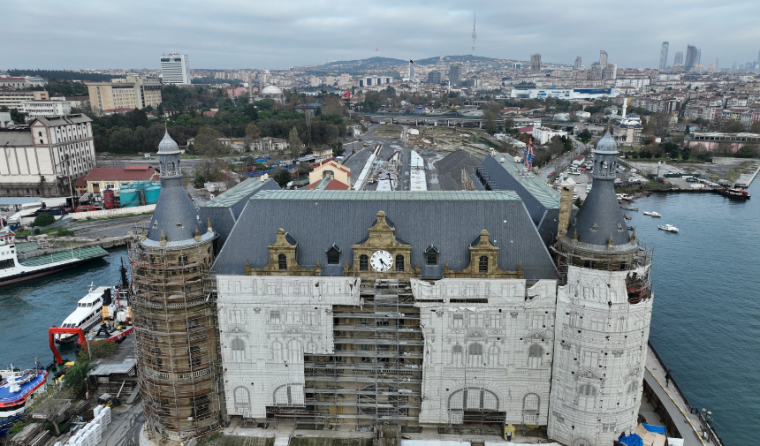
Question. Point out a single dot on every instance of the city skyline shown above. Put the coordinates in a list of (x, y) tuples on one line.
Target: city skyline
[(240, 35)]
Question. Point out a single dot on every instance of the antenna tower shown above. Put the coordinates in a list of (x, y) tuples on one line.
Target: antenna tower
[(474, 36)]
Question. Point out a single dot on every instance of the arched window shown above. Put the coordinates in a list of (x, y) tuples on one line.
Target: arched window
[(242, 398), (194, 360), (276, 352), (363, 263), (333, 255), (282, 261), (456, 355), (171, 167), (157, 360), (238, 350), (475, 355), (483, 264), (586, 396), (535, 356), (531, 405), (295, 355), (399, 262), (493, 356)]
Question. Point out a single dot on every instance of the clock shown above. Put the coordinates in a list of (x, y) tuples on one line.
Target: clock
[(381, 261)]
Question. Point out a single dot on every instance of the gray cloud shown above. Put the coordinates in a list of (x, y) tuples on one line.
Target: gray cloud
[(277, 34)]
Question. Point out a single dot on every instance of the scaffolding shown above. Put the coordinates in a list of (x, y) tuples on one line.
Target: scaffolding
[(374, 376), (177, 338)]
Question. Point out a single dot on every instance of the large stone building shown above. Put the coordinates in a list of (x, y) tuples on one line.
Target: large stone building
[(123, 94), (43, 159), (14, 99), (432, 312)]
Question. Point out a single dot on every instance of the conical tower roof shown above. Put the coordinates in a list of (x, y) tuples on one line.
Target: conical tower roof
[(600, 217), (167, 144)]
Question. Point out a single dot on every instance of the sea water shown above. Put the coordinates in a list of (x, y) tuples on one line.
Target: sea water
[(28, 309)]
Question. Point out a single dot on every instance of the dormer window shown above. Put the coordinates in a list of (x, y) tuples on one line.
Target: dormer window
[(333, 255), (431, 255)]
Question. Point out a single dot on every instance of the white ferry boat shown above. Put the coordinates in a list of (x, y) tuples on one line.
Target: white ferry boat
[(87, 314), (14, 271)]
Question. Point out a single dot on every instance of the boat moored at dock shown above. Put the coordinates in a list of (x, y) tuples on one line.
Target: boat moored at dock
[(736, 193), (13, 271), (87, 313)]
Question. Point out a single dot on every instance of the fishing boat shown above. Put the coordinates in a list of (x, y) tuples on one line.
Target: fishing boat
[(87, 313), (18, 391), (736, 193), (653, 214), (668, 228), (13, 271)]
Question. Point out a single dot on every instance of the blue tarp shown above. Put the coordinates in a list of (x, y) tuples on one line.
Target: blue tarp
[(631, 440), (655, 429)]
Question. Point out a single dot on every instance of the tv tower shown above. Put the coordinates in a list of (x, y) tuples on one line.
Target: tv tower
[(474, 36)]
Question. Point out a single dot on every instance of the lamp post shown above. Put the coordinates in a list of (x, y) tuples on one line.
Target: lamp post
[(707, 418)]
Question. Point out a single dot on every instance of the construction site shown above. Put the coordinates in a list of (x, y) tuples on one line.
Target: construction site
[(176, 338)]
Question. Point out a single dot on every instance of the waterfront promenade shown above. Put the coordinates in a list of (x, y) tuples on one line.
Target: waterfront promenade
[(686, 419)]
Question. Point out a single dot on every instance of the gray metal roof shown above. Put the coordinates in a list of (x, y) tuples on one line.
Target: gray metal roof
[(167, 144), (175, 213), (449, 220), (16, 137), (53, 121), (224, 210), (600, 215), (541, 200)]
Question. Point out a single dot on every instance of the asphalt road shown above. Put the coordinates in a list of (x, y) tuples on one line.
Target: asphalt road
[(125, 426)]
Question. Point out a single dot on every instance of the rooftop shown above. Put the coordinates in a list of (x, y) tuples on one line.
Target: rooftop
[(532, 183), (129, 173), (234, 195), (426, 196)]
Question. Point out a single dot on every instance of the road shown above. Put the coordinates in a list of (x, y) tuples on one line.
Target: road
[(125, 426)]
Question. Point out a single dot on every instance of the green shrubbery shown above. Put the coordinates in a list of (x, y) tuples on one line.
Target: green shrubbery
[(44, 220)]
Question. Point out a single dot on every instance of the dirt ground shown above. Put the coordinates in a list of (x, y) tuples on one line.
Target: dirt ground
[(720, 168)]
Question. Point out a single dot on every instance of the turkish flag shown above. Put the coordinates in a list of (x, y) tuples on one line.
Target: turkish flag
[(347, 94)]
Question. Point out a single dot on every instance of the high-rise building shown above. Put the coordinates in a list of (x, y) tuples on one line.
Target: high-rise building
[(609, 71), (176, 339), (455, 75), (412, 77), (578, 63), (535, 63), (664, 56), (434, 77), (679, 58), (595, 72), (603, 58), (692, 57), (175, 68), (128, 93)]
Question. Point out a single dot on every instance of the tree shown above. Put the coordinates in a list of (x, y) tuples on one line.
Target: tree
[(281, 176), (731, 126), (685, 153), (658, 124), (44, 220), (491, 111), (207, 143), (294, 142), (585, 136), (252, 133), (744, 152), (755, 128)]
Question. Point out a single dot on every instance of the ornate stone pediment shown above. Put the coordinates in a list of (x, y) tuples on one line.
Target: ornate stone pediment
[(484, 262), (282, 259), (382, 236)]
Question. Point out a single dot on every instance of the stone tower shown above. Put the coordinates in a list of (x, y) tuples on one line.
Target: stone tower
[(174, 317), (604, 307)]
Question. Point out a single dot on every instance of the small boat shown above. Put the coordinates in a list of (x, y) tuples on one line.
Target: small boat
[(628, 208), (627, 217), (653, 214), (736, 193), (668, 228), (87, 314), (625, 197)]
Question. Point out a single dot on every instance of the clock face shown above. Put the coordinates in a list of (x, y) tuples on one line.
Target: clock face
[(381, 261)]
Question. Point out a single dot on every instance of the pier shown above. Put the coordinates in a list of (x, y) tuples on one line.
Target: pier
[(671, 405), (749, 175)]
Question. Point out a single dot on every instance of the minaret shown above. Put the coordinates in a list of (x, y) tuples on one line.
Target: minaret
[(604, 307), (174, 311), (474, 35)]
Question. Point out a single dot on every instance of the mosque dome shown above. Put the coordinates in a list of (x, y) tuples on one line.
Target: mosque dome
[(606, 144), (167, 144), (271, 90)]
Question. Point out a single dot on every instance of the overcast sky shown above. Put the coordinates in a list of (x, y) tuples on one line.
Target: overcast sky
[(228, 34)]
